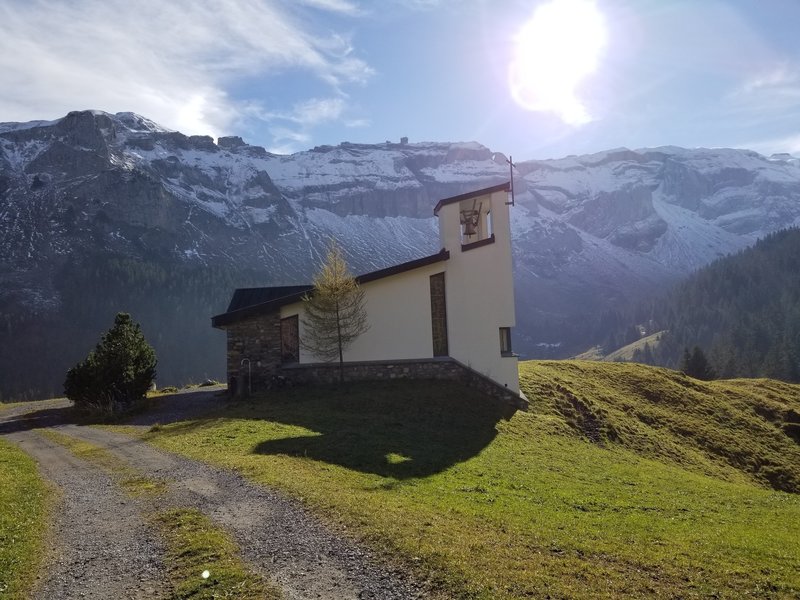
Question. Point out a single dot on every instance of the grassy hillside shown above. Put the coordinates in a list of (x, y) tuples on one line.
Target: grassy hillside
[(735, 430), (622, 481), (634, 351)]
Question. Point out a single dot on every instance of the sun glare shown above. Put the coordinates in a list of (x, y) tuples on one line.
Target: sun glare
[(555, 50)]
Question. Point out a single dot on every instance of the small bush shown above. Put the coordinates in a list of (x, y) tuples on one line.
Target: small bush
[(117, 373)]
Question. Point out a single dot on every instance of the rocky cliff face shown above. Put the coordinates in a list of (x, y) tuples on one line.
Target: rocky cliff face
[(121, 183), (590, 232)]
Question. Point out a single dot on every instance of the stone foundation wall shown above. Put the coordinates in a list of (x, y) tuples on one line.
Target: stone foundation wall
[(443, 368)]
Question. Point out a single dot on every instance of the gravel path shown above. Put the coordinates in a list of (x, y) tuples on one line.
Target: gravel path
[(102, 548), (277, 536)]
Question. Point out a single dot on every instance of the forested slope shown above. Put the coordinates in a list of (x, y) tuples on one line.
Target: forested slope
[(172, 302), (742, 310)]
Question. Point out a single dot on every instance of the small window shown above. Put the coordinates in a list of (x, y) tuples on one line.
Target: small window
[(505, 341), (438, 314)]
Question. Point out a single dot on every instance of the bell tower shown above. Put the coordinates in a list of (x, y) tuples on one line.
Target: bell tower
[(476, 230)]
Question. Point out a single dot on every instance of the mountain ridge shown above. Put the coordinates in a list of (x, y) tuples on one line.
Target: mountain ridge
[(590, 233)]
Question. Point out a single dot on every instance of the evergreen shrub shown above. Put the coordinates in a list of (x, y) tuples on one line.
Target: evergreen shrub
[(117, 373)]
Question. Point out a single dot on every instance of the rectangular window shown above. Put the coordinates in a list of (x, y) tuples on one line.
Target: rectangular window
[(505, 341), (290, 340), (438, 315)]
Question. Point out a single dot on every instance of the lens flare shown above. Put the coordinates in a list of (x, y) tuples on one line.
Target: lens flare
[(555, 50)]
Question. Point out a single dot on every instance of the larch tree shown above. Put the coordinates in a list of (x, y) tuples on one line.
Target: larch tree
[(335, 314)]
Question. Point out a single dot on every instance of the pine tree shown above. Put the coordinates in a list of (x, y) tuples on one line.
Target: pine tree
[(695, 364), (117, 373), (334, 311)]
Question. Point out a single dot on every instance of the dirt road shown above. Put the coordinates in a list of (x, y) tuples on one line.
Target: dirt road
[(102, 546)]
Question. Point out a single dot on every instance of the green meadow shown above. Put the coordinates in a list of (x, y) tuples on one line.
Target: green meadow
[(621, 481)]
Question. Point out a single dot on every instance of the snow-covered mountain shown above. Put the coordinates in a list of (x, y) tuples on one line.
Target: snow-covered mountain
[(614, 226), (590, 231)]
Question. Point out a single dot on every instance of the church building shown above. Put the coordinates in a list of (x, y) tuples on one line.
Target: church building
[(444, 316)]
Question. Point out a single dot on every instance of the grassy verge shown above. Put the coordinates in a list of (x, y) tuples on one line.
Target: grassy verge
[(4, 406), (23, 518), (492, 507), (194, 544), (195, 548)]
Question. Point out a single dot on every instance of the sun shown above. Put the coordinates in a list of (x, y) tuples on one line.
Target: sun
[(555, 50)]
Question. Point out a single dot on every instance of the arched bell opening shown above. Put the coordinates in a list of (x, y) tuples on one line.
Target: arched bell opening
[(476, 220)]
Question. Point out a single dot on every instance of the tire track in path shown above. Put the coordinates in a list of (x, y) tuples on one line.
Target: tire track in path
[(277, 536)]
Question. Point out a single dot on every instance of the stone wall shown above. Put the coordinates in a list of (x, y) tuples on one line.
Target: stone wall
[(259, 340), (442, 368)]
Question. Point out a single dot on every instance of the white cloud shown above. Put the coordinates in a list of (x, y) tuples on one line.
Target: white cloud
[(773, 87), (421, 4), (776, 77), (341, 6), (306, 113), (170, 61), (292, 128), (768, 101), (318, 110), (354, 123), (284, 134)]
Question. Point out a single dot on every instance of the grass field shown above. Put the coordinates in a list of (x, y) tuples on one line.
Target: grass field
[(23, 508), (626, 353), (622, 481)]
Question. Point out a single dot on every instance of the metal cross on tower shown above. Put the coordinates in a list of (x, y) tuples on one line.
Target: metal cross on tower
[(511, 166)]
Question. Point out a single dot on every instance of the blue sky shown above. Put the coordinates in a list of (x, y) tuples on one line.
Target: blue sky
[(290, 75)]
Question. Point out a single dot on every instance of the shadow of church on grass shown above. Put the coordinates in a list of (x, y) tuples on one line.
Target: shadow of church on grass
[(401, 430)]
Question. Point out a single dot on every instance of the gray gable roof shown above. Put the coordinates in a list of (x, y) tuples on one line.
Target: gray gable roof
[(501, 187), (244, 297), (249, 302)]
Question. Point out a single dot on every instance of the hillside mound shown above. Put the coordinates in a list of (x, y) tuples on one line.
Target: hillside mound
[(729, 429)]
